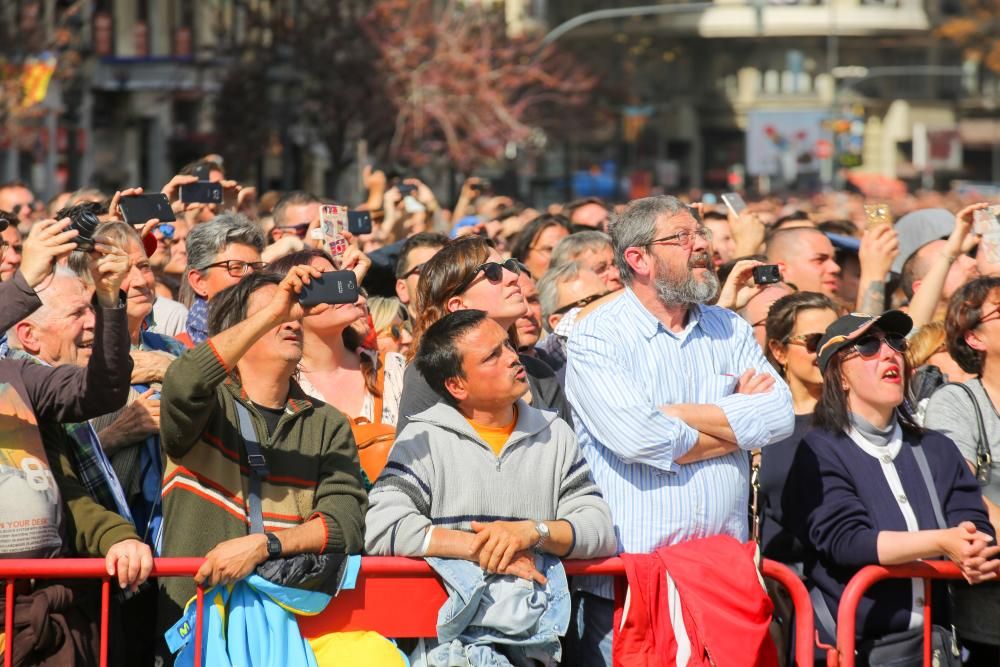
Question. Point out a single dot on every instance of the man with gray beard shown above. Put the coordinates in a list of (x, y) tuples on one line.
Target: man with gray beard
[(669, 395)]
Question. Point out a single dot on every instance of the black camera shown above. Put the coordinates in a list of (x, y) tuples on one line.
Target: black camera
[(766, 274), (85, 222)]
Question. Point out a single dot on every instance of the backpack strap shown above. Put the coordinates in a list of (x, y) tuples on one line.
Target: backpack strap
[(258, 468), (379, 387), (925, 472)]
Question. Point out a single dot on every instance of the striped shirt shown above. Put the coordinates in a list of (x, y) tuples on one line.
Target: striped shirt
[(623, 365)]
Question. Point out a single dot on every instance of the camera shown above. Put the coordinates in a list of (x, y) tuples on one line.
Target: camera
[(766, 274), (85, 222)]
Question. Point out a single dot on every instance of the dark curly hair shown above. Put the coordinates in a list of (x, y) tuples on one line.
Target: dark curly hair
[(783, 314), (965, 312)]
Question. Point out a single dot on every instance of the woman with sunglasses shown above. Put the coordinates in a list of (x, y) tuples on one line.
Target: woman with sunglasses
[(968, 415), (794, 325), (469, 273), (868, 486), (392, 324), (335, 368)]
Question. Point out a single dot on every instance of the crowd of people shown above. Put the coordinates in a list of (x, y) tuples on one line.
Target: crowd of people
[(511, 387)]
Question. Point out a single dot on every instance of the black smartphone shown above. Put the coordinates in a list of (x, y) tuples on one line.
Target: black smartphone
[(406, 189), (766, 274), (140, 209), (330, 287), (202, 192), (359, 222), (203, 172)]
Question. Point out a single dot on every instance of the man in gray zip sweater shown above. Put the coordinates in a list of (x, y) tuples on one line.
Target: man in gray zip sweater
[(501, 478)]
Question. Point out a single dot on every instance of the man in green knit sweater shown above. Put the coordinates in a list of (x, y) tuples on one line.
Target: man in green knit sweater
[(312, 499)]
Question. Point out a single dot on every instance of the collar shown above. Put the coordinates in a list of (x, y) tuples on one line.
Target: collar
[(530, 421), (879, 451), (649, 326), (296, 402)]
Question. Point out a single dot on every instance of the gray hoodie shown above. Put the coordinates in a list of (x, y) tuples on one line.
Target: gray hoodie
[(441, 473)]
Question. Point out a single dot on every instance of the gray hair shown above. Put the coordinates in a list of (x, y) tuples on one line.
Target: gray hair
[(636, 227), (548, 287), (574, 245), (48, 299), (207, 240)]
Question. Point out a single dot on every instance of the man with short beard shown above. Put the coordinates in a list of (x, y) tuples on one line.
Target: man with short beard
[(668, 396)]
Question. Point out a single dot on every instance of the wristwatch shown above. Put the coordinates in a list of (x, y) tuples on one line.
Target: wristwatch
[(543, 534), (273, 546)]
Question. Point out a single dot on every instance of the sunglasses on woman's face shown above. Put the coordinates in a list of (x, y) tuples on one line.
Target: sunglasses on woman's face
[(493, 272), (868, 346), (810, 341)]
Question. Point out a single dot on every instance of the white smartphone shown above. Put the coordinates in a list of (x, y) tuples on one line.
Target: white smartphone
[(734, 202)]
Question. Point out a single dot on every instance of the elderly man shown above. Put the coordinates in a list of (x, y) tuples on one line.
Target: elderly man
[(562, 292), (294, 213), (670, 395), (255, 469), (220, 252), (592, 251), (807, 260)]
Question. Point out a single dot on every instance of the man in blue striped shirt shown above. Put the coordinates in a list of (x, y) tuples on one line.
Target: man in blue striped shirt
[(668, 396)]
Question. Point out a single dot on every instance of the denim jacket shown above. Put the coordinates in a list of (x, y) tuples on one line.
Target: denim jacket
[(498, 620)]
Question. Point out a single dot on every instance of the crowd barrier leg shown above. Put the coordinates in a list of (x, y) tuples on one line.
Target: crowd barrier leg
[(804, 622), (865, 578)]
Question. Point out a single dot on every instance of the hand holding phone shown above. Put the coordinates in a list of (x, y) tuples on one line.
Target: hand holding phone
[(137, 210), (359, 222), (877, 215), (332, 223), (201, 192), (734, 202), (331, 287)]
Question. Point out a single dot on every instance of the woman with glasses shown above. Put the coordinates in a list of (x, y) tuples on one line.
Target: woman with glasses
[(392, 324), (794, 326), (868, 486), (335, 368), (967, 413), (469, 273)]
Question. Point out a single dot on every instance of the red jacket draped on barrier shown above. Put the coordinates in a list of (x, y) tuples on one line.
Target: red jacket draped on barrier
[(693, 600)]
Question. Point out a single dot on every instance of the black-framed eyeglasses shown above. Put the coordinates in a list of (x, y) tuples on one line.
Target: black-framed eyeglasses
[(810, 341), (990, 316), (579, 303), (415, 270), (493, 272), (237, 268), (685, 237), (299, 230), (869, 345)]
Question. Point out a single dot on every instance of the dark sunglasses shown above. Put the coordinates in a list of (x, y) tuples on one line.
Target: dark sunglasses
[(869, 346), (17, 208), (809, 341), (493, 272), (579, 303), (414, 270)]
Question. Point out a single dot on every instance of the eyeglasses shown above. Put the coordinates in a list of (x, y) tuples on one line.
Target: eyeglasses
[(579, 303), (237, 268), (493, 272), (17, 208), (394, 331), (299, 230), (414, 271), (685, 237), (810, 341), (990, 316), (868, 346)]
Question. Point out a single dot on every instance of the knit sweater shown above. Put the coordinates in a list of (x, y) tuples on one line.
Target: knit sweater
[(539, 475), (312, 458)]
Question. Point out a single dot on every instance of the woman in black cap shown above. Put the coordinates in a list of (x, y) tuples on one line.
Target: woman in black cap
[(868, 486)]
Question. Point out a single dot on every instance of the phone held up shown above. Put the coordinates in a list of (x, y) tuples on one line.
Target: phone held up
[(766, 274), (332, 224), (201, 192), (331, 287), (734, 202), (137, 210), (877, 215)]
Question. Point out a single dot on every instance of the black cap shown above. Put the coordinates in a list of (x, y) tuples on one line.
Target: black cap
[(848, 328)]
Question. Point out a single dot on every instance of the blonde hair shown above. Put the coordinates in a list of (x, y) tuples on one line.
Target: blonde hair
[(922, 345), (384, 310)]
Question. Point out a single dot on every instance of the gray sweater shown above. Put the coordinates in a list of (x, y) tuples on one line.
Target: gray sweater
[(950, 411), (441, 473)]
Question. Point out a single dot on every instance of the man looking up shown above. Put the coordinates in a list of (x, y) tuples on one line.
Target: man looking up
[(414, 254), (670, 395), (806, 258)]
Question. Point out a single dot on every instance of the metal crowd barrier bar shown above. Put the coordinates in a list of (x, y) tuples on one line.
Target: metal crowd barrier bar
[(865, 578), (374, 604), (89, 568)]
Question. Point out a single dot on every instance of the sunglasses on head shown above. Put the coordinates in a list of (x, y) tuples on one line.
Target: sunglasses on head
[(579, 303), (810, 341), (870, 344), (493, 272)]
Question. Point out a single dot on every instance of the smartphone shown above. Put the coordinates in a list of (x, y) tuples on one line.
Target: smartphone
[(734, 202), (203, 172), (986, 223), (483, 185), (878, 215), (140, 209), (406, 189), (202, 192), (766, 274), (332, 224), (359, 222), (330, 287)]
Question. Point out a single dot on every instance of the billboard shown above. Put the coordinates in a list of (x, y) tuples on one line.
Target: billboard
[(783, 144)]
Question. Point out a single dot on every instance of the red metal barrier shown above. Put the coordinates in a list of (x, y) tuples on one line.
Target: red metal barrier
[(866, 577), (89, 568), (374, 603)]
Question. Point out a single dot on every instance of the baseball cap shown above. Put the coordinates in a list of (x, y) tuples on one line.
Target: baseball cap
[(847, 329), (919, 227)]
